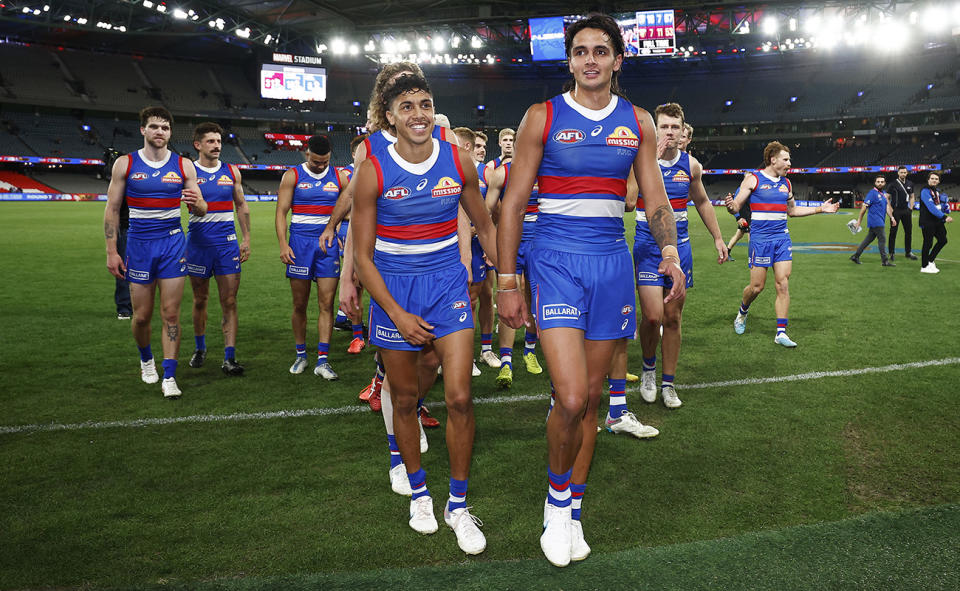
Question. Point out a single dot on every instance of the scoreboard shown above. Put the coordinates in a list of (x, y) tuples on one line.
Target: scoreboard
[(298, 83), (655, 33)]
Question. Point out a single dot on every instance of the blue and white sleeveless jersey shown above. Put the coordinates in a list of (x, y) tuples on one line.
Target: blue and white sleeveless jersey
[(216, 186), (676, 180), (417, 211), (768, 207), (314, 197), (153, 193), (587, 155), (532, 209), (349, 169)]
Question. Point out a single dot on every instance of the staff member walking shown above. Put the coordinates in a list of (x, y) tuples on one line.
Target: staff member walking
[(901, 200)]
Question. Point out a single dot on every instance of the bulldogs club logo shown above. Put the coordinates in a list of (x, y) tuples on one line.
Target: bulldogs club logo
[(681, 177), (783, 189), (331, 187), (224, 181), (171, 177), (623, 137)]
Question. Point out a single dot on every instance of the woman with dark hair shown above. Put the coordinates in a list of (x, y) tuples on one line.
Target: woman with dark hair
[(580, 147), (933, 224)]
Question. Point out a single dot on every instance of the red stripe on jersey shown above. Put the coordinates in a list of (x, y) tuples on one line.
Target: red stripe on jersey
[(183, 175), (153, 203), (220, 205), (313, 209), (418, 231), (768, 206), (456, 160), (789, 184), (639, 127), (548, 122), (569, 185), (129, 165), (376, 167), (535, 208), (679, 203)]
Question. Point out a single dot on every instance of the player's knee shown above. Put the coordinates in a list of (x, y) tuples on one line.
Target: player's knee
[(228, 301), (671, 321), (783, 285), (650, 321), (568, 407), (458, 401), (404, 400)]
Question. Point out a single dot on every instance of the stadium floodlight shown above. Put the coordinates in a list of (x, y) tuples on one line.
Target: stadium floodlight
[(46, 8), (388, 46), (267, 39), (792, 24), (935, 19), (812, 25), (770, 26), (147, 4), (439, 44), (422, 44), (476, 43), (26, 10), (179, 13), (354, 49), (120, 28), (242, 33), (455, 41), (36, 12), (404, 46), (161, 8), (338, 46), (66, 18), (81, 21), (370, 46), (914, 17)]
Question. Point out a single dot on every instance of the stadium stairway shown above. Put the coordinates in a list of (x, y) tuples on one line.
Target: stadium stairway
[(25, 183)]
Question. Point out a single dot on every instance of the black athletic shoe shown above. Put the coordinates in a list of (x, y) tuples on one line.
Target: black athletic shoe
[(911, 256), (366, 333), (855, 259), (231, 367), (891, 258), (887, 264), (198, 358), (343, 325)]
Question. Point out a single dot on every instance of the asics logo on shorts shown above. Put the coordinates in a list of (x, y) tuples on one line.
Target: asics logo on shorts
[(566, 311), (463, 317), (389, 334)]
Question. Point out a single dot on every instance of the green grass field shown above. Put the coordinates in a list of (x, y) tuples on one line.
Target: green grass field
[(843, 481)]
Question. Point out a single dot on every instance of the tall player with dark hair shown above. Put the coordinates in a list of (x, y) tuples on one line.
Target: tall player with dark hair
[(212, 245), (579, 147), (771, 202), (405, 228), (310, 190), (155, 181)]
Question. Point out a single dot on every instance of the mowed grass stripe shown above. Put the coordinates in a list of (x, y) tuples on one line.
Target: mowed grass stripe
[(354, 409)]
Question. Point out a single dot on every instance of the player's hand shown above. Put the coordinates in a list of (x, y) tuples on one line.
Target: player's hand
[(512, 308), (115, 265), (671, 269), (191, 196), (661, 145), (327, 238), (948, 219), (728, 202), (413, 329), (830, 206), (349, 297), (244, 251), (286, 254), (893, 222), (723, 254), (857, 224)]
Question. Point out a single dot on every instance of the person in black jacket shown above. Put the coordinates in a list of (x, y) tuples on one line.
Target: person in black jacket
[(901, 200), (932, 223)]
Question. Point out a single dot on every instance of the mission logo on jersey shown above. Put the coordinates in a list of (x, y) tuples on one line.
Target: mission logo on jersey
[(331, 187), (681, 177), (171, 177), (446, 187), (783, 189), (224, 181), (623, 137)]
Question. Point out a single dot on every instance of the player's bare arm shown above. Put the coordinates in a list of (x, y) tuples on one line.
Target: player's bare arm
[(795, 211), (494, 187), (284, 203), (363, 225), (243, 214), (111, 215), (344, 201), (472, 203), (464, 236), (633, 192), (705, 209), (747, 186)]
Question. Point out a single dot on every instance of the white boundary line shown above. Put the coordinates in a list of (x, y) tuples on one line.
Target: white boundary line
[(356, 409)]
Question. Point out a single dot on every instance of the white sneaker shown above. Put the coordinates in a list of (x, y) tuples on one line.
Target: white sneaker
[(490, 358), (299, 365), (170, 389), (421, 515), (325, 371), (670, 399), (476, 370), (648, 385), (930, 268), (934, 265), (399, 482), (579, 549), (467, 527), (629, 424), (783, 339), (148, 372), (740, 323), (424, 444), (556, 540)]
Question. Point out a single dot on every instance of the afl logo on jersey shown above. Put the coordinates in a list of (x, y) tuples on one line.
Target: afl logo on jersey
[(569, 136), (764, 187), (623, 137), (396, 193), (224, 181), (305, 186), (783, 189), (681, 177), (138, 176), (331, 187), (171, 177), (446, 187)]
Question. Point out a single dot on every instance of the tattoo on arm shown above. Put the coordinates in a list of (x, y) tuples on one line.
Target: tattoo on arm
[(173, 332), (245, 223), (663, 226), (109, 231)]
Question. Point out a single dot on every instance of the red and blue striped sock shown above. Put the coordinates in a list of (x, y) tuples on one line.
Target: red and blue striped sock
[(650, 363), (506, 357), (486, 341), (529, 342), (576, 498), (357, 331), (744, 308), (558, 490), (618, 397), (301, 350), (667, 381), (395, 459), (418, 484), (458, 494), (781, 326), (322, 350)]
